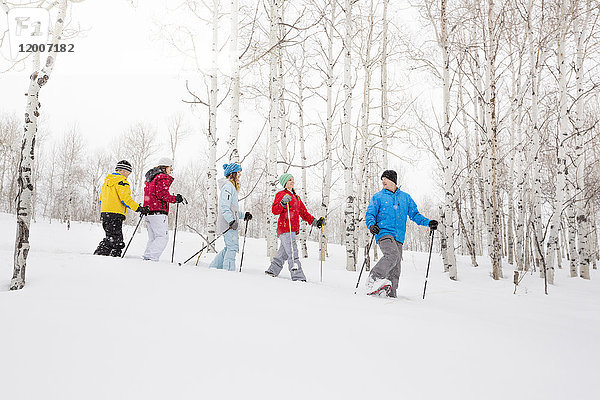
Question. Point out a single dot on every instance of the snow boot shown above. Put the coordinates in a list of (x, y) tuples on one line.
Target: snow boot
[(270, 274), (378, 287)]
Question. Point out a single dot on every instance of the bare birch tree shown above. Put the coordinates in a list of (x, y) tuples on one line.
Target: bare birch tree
[(38, 79)]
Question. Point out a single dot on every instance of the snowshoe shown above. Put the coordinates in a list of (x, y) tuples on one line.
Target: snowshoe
[(379, 287)]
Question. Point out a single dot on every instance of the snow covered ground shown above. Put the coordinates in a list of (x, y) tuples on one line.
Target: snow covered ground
[(88, 327)]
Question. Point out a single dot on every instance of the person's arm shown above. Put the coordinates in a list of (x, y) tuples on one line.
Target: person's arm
[(162, 191), (277, 208), (414, 214), (304, 212), (225, 203), (124, 193), (372, 210)]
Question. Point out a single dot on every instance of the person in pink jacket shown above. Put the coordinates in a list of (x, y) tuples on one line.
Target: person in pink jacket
[(157, 199)]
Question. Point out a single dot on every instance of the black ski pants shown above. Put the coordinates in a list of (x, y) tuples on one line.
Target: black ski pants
[(112, 244)]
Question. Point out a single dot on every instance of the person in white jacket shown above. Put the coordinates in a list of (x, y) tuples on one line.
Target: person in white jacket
[(228, 218)]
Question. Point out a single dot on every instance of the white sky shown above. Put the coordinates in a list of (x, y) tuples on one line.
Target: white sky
[(119, 74)]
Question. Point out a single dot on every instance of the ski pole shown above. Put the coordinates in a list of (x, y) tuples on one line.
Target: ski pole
[(321, 256), (364, 263), (175, 233), (135, 230), (428, 262), (202, 249), (294, 267), (244, 245)]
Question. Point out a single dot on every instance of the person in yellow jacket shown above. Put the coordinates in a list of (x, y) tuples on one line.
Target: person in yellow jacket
[(115, 199)]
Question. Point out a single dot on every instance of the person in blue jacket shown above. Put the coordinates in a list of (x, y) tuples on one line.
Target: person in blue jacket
[(229, 215), (386, 219)]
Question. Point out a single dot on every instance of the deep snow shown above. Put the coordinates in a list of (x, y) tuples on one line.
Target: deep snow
[(88, 327)]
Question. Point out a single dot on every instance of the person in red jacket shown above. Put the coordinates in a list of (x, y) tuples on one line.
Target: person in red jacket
[(157, 199), (290, 208)]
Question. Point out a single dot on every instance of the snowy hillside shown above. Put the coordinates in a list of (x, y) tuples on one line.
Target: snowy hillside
[(88, 327)]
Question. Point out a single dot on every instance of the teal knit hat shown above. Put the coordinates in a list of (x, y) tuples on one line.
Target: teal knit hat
[(284, 178)]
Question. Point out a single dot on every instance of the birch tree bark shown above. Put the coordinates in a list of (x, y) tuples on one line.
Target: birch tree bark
[(300, 103), (559, 200), (349, 217), (536, 205), (367, 65), (447, 143), (492, 48), (469, 227), (211, 173), (582, 216), (385, 107), (274, 125), (329, 30), (25, 193), (234, 122)]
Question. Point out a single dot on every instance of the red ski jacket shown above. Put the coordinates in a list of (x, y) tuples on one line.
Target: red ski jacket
[(297, 209), (156, 191)]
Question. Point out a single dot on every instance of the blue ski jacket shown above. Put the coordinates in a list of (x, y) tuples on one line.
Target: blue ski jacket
[(389, 211)]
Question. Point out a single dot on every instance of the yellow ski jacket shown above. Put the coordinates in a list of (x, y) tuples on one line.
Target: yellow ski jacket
[(115, 196)]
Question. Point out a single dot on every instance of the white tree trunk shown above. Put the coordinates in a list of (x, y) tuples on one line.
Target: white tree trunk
[(25, 183), (303, 231), (496, 254), (469, 226), (212, 128), (559, 198), (364, 183), (385, 108), (447, 143), (328, 129), (234, 123), (582, 217), (349, 217), (536, 202), (274, 126)]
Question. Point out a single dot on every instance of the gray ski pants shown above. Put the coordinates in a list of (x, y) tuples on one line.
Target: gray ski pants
[(285, 254), (388, 267)]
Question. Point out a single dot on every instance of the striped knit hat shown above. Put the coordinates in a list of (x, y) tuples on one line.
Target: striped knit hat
[(124, 165), (284, 178)]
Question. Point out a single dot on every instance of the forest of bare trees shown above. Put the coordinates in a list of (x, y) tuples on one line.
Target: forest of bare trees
[(501, 96)]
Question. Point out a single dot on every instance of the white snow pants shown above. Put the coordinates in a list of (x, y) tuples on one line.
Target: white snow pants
[(158, 236)]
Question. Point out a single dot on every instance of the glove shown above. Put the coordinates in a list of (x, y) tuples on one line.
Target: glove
[(179, 198), (318, 223), (144, 210), (234, 225), (285, 200), (433, 224), (247, 216), (374, 229)]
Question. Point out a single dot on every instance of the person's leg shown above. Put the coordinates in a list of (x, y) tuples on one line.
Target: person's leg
[(277, 263), (390, 257), (297, 274), (217, 262), (115, 232), (104, 246), (160, 227), (394, 275), (231, 248), (151, 237)]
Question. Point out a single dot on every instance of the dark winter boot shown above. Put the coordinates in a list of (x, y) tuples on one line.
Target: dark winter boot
[(103, 249), (115, 253)]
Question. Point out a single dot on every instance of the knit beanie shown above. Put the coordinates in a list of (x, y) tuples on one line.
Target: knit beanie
[(124, 165), (284, 178), (165, 162), (229, 169), (391, 175)]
